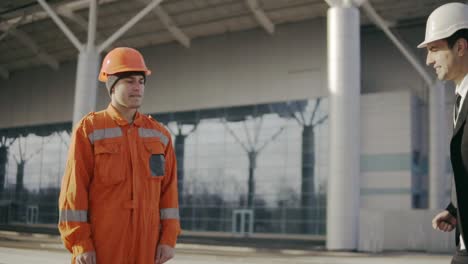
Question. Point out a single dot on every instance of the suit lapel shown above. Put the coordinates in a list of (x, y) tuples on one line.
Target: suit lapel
[(461, 117)]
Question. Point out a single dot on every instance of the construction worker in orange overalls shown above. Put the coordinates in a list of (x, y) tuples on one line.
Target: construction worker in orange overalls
[(118, 200)]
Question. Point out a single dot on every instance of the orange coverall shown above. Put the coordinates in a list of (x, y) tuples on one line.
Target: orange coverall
[(119, 191)]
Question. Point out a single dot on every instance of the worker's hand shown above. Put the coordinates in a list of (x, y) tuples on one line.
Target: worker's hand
[(86, 258), (164, 253), (444, 221)]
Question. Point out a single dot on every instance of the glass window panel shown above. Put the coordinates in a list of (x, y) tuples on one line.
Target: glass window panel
[(215, 144)]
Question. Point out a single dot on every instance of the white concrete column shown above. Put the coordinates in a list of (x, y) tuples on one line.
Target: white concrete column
[(86, 83), (344, 84), (438, 147)]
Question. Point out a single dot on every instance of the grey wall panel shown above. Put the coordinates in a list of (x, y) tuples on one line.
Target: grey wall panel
[(38, 95), (384, 67), (386, 123), (243, 68)]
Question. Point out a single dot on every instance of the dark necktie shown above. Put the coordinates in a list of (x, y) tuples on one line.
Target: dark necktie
[(457, 105)]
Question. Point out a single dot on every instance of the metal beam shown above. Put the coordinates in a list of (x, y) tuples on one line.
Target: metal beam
[(74, 40), (32, 45), (260, 15), (39, 15), (26, 19), (77, 19), (128, 25), (80, 21), (82, 4), (10, 29), (172, 27), (92, 23), (7, 27)]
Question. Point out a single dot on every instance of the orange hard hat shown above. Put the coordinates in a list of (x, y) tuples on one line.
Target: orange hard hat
[(122, 59)]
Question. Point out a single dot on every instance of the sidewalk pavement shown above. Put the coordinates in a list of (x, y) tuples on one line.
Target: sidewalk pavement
[(31, 248)]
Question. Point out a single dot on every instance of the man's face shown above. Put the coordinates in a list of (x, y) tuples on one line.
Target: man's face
[(128, 92), (443, 59)]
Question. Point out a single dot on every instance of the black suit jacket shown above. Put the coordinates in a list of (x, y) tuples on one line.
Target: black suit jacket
[(459, 159)]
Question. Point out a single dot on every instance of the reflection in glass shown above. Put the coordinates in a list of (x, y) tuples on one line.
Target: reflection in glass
[(31, 172), (268, 161), (269, 158)]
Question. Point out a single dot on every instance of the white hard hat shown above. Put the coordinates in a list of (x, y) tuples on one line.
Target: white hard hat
[(444, 21)]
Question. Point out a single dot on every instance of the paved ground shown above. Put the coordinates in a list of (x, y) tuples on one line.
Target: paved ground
[(210, 256), (31, 249)]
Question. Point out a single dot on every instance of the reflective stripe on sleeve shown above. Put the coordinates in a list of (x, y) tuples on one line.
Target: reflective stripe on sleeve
[(73, 216), (148, 132), (99, 134), (170, 213)]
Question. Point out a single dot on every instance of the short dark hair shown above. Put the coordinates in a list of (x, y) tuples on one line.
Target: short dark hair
[(462, 33)]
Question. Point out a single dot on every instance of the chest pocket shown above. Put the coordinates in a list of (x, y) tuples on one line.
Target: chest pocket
[(156, 160), (108, 163)]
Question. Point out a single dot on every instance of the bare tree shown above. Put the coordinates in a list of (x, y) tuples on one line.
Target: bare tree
[(252, 147), (21, 159), (179, 144), (297, 111), (5, 143)]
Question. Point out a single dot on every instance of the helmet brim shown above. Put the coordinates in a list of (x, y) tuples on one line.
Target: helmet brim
[(423, 44), (103, 76)]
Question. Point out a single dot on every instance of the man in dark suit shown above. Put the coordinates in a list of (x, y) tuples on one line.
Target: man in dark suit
[(446, 42)]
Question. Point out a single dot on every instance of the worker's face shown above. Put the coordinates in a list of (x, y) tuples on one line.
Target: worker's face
[(444, 60), (128, 92)]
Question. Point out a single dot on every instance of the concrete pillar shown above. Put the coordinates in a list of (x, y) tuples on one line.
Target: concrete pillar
[(86, 83), (344, 84), (438, 147)]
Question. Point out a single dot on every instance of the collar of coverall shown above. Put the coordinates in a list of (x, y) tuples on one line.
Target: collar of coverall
[(120, 120)]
